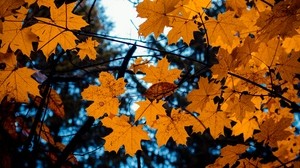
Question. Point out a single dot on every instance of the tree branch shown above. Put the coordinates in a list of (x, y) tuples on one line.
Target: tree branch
[(74, 141), (125, 62)]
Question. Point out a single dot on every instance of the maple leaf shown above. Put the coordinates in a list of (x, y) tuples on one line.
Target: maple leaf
[(16, 37), (16, 82), (160, 90), (184, 18), (161, 73), (54, 102), (87, 48), (289, 66), (173, 126), (156, 14), (105, 96), (149, 110), (282, 20), (268, 53), (199, 97), (139, 65), (239, 106), (239, 57), (288, 149), (7, 8), (214, 120), (261, 5), (226, 63), (182, 27), (236, 5), (246, 126), (249, 163), (222, 32), (56, 30), (249, 18), (123, 134), (44, 132), (229, 155), (292, 43), (272, 131)]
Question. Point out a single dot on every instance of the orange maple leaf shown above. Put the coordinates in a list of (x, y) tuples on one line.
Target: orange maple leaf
[(229, 155), (56, 30), (292, 43), (123, 134), (160, 90), (214, 120), (87, 48), (272, 131), (16, 82), (289, 66), (161, 73), (156, 14), (222, 32), (149, 110), (269, 53), (239, 106), (105, 96), (139, 65), (15, 36), (7, 8), (278, 21), (246, 126), (172, 126), (200, 97), (236, 5), (54, 102)]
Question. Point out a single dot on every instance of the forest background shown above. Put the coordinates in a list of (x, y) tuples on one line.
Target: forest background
[(219, 89)]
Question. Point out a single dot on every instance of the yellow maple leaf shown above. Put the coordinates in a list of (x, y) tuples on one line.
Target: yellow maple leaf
[(15, 36), (214, 120), (149, 110), (105, 96), (245, 127), (172, 126), (156, 13), (272, 131), (56, 30), (200, 97), (223, 31), (229, 155), (123, 134), (16, 82), (161, 73), (87, 48)]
